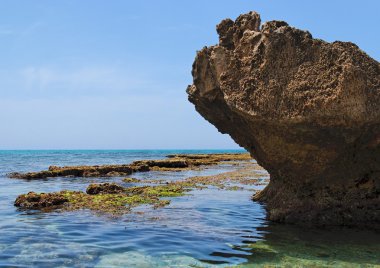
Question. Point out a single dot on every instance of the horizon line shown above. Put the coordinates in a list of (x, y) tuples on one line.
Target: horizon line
[(184, 149)]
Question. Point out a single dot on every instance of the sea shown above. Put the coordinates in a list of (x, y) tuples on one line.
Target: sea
[(205, 228)]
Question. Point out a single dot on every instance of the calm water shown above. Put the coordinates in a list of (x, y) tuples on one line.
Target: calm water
[(207, 228)]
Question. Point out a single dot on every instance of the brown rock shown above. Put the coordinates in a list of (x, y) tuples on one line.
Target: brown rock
[(164, 163), (79, 171), (174, 163), (306, 109), (104, 188), (33, 200)]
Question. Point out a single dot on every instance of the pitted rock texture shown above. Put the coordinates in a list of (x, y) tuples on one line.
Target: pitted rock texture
[(307, 110)]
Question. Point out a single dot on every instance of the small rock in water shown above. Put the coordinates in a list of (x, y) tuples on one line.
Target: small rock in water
[(104, 188), (33, 200), (131, 180)]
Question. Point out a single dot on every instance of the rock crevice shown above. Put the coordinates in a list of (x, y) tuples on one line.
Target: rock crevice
[(306, 109)]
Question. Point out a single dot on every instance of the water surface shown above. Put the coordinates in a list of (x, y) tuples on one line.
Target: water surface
[(207, 228)]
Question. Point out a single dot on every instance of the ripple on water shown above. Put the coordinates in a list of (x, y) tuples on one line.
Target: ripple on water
[(206, 228)]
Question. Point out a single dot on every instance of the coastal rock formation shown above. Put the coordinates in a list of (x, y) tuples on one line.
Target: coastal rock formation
[(33, 200), (173, 163), (117, 199), (307, 110)]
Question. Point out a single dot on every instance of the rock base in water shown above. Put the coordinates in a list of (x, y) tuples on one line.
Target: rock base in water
[(307, 110)]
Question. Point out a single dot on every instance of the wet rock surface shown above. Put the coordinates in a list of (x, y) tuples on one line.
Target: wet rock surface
[(80, 171), (33, 200), (172, 163), (104, 188), (307, 110), (117, 199)]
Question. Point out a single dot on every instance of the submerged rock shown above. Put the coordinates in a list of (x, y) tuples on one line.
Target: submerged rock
[(307, 110)]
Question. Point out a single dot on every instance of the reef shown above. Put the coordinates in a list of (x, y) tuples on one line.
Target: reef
[(81, 171), (307, 110), (116, 199), (172, 163), (108, 198)]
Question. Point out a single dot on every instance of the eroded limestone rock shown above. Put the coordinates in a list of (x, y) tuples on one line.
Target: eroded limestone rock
[(306, 109)]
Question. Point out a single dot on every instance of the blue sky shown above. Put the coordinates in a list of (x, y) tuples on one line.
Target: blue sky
[(112, 74)]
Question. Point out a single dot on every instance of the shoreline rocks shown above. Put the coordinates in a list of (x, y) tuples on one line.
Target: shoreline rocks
[(118, 199), (33, 200), (172, 163), (307, 110)]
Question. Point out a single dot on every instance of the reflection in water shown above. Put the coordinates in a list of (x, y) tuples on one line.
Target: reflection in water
[(292, 245), (206, 228)]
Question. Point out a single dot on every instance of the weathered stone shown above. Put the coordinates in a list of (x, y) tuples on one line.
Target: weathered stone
[(174, 163), (307, 110), (113, 199), (104, 188), (164, 163), (33, 200)]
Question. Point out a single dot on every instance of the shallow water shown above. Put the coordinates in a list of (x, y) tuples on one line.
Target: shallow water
[(206, 228)]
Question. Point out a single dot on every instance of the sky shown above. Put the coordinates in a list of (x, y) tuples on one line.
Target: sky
[(112, 74)]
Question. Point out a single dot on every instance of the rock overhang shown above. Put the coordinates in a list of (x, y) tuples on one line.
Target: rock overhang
[(306, 109)]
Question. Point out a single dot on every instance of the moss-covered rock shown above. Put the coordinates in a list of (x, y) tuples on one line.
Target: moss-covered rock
[(104, 188), (172, 163), (131, 180), (115, 199), (105, 197), (34, 200)]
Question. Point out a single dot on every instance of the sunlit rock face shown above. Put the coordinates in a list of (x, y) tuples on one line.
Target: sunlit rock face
[(307, 110)]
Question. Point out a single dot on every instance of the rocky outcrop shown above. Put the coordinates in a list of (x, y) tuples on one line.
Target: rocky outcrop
[(33, 200), (117, 199), (306, 109), (173, 163)]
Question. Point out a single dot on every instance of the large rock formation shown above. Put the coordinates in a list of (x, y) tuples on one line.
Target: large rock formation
[(306, 109)]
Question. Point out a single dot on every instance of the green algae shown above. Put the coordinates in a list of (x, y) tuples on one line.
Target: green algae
[(113, 198), (169, 190), (292, 246), (234, 188), (123, 202), (236, 180), (131, 180), (113, 203)]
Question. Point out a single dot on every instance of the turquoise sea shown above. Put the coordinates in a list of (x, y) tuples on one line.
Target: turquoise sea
[(206, 228)]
